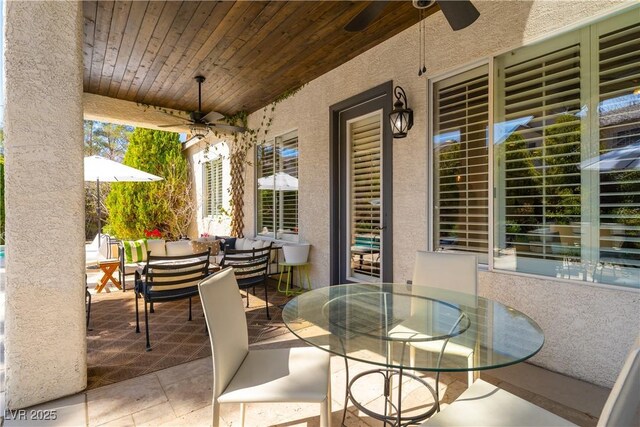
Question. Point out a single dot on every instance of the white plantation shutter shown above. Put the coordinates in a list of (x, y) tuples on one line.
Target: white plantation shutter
[(277, 208), (288, 200), (540, 141), (460, 152), (206, 193), (212, 172), (619, 148), (266, 200), (365, 193)]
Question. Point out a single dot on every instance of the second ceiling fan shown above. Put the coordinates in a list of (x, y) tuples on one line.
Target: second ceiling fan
[(459, 13)]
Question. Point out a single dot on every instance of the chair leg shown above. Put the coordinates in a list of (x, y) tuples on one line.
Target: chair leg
[(470, 373), (247, 292), (146, 325), (325, 407), (136, 297), (88, 309), (189, 309), (243, 412), (325, 413), (151, 310), (266, 299), (215, 413)]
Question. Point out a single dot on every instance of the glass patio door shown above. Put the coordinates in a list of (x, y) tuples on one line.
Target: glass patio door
[(364, 201), (361, 232)]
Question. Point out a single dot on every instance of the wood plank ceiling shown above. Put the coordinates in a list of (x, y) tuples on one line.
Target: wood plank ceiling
[(250, 52)]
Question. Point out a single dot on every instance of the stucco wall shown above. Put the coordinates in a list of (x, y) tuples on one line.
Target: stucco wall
[(573, 324), (45, 311)]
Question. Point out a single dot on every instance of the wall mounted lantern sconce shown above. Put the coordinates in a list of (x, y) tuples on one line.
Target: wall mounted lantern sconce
[(401, 117)]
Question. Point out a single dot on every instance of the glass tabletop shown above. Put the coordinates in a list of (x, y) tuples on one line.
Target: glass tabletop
[(421, 328)]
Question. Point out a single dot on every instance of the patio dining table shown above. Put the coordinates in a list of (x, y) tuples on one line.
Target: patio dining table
[(388, 324)]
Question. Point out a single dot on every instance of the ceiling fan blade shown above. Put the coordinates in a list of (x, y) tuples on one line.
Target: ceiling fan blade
[(459, 13), (231, 128), (197, 137), (172, 125), (366, 17), (213, 116)]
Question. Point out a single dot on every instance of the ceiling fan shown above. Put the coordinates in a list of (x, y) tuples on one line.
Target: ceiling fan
[(459, 13), (200, 123)]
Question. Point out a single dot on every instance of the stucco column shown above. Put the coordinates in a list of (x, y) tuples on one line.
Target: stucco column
[(45, 324)]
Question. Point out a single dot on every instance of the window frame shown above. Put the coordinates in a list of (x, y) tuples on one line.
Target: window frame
[(589, 28), (272, 141)]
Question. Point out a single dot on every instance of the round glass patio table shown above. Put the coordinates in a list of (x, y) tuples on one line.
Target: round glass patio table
[(400, 327)]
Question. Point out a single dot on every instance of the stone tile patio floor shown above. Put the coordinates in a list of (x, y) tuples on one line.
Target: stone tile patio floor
[(181, 396)]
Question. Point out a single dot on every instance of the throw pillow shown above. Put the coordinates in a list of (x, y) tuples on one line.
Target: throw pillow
[(227, 242), (200, 246), (135, 250)]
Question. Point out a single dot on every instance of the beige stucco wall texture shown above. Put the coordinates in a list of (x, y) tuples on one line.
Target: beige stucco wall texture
[(578, 341), (45, 332)]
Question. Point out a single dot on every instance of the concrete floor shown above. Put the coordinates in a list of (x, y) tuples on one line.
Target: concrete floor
[(181, 396)]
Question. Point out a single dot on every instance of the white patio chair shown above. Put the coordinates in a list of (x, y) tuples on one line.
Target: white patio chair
[(447, 271), (487, 405), (257, 376)]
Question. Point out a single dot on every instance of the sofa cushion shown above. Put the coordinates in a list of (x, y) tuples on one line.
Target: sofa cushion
[(179, 248), (156, 247), (240, 244), (135, 250), (200, 245), (246, 244)]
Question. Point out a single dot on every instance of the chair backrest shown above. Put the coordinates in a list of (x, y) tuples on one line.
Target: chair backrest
[(166, 273), (250, 265), (227, 324), (622, 407), (446, 270)]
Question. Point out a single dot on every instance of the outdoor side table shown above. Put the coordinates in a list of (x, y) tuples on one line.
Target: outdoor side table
[(303, 274), (108, 267)]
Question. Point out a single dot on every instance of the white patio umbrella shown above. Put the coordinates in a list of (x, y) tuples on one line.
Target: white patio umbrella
[(99, 169), (280, 181)]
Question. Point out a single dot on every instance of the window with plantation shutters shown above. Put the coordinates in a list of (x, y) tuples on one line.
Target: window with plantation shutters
[(277, 188), (619, 145), (540, 139), (212, 172), (461, 162), (566, 152), (365, 196)]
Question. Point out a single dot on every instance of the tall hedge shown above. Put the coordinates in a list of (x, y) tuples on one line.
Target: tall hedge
[(166, 205)]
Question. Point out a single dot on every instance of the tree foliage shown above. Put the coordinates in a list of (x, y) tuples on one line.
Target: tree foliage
[(106, 140), (166, 205)]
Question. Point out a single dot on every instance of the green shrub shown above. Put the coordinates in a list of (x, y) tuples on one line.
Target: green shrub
[(166, 205)]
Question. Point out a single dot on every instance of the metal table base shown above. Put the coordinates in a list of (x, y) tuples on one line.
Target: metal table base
[(387, 418)]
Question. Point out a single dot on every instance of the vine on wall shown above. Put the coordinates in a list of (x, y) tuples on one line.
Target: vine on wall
[(242, 142)]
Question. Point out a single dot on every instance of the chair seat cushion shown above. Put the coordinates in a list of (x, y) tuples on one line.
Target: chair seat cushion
[(487, 405), (280, 375)]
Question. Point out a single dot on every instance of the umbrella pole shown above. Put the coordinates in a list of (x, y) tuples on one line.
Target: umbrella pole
[(98, 207)]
